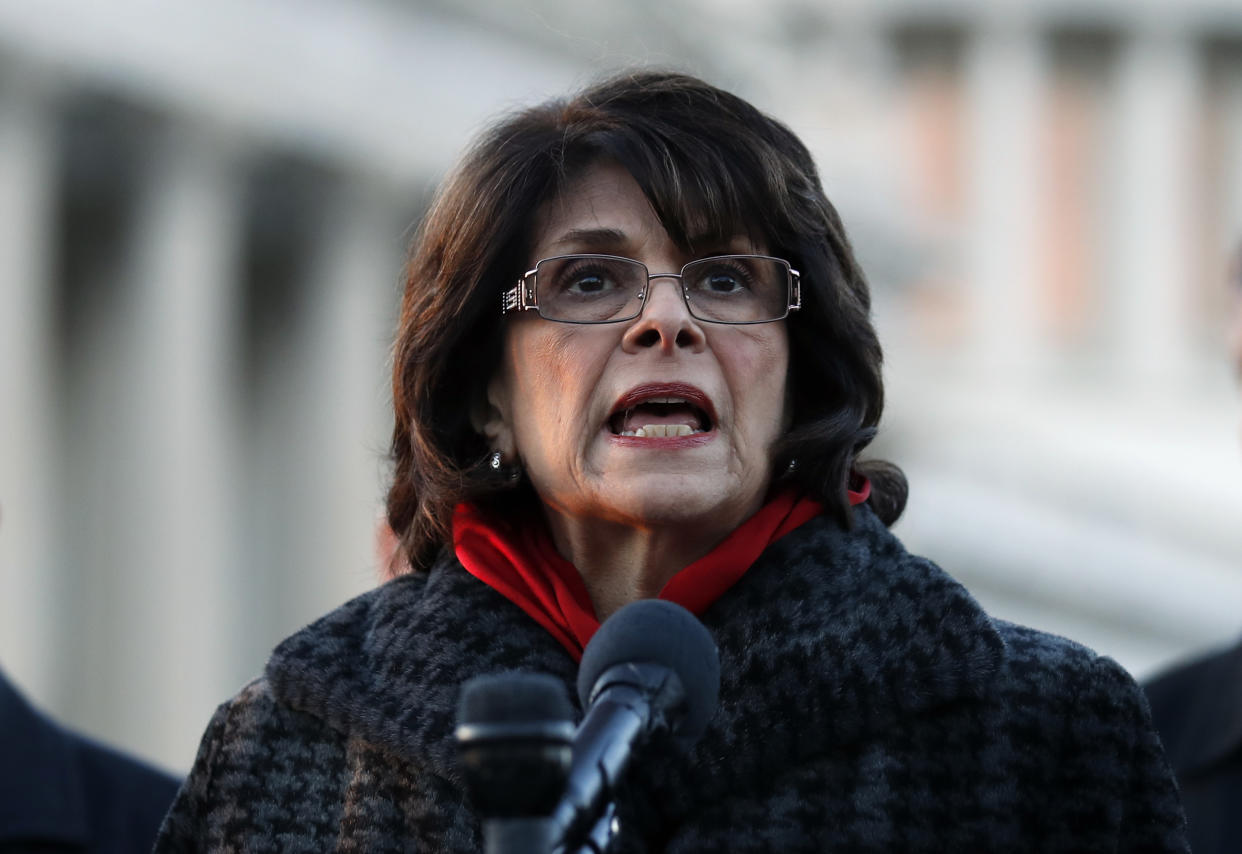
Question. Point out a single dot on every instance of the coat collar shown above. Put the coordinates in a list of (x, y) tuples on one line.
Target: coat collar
[(41, 794), (830, 636), (388, 666)]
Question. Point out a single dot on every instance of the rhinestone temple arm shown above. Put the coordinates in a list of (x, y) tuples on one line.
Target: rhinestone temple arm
[(519, 297)]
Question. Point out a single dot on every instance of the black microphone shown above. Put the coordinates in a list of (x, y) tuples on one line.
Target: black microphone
[(514, 732), (651, 670)]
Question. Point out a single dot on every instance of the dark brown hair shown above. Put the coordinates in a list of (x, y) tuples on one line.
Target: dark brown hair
[(712, 166)]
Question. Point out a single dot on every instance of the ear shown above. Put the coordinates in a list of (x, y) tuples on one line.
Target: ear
[(491, 416)]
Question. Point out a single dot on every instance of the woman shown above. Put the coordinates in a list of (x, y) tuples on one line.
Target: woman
[(635, 359)]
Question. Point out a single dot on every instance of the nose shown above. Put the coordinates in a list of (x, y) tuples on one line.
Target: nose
[(665, 321)]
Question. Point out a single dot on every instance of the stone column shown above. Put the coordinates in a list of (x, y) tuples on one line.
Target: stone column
[(1005, 69), (29, 559), (1231, 210), (169, 564), (338, 381), (1153, 136)]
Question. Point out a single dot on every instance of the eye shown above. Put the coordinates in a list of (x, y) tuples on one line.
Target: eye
[(723, 282), (723, 278), (587, 283), (587, 279)]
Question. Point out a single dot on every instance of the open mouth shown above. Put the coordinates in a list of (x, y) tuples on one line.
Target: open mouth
[(652, 414)]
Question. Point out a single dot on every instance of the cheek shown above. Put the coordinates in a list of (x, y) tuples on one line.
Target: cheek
[(759, 377), (553, 379), (777, 401)]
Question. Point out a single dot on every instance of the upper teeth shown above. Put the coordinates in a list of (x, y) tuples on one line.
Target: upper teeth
[(665, 400), (660, 430)]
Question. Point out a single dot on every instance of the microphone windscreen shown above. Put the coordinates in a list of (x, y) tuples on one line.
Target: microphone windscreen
[(513, 698), (515, 733), (655, 631)]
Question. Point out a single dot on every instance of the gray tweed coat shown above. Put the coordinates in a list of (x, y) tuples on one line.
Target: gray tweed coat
[(867, 704)]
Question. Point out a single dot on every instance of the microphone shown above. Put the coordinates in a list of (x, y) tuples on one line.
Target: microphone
[(514, 732), (650, 671)]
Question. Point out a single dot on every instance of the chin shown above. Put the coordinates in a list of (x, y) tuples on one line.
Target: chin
[(681, 499)]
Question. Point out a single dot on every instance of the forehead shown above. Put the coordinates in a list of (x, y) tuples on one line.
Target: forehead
[(602, 205), (604, 210)]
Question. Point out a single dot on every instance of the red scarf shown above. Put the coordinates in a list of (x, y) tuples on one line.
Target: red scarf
[(521, 563)]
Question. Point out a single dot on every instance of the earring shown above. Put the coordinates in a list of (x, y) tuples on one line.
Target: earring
[(497, 463), (793, 465)]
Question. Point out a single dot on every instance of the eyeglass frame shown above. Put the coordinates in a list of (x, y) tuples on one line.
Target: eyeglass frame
[(521, 296)]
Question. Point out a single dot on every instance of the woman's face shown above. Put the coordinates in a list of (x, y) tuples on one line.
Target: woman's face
[(565, 395)]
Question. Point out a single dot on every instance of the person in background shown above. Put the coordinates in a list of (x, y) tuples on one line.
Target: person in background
[(1197, 708), (61, 792), (636, 360)]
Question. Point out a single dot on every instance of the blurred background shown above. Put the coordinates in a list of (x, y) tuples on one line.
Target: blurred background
[(204, 208)]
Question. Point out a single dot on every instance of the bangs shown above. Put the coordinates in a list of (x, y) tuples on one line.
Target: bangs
[(705, 194)]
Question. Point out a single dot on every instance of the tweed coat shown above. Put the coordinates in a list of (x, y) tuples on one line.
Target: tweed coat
[(867, 704)]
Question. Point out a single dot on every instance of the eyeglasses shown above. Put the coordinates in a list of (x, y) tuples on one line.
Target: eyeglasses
[(609, 289)]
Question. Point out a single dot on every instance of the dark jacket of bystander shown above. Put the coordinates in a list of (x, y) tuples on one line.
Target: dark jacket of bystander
[(60, 792), (1197, 708)]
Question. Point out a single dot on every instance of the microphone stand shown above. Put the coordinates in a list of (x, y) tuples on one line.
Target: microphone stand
[(543, 787), (617, 717), (544, 835), (519, 835), (602, 834)]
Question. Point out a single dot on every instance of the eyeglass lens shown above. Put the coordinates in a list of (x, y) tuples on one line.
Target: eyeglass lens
[(599, 289)]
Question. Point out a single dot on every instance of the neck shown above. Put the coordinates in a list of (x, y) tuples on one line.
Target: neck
[(620, 564)]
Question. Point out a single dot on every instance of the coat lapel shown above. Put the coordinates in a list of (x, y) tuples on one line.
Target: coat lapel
[(388, 667), (831, 638)]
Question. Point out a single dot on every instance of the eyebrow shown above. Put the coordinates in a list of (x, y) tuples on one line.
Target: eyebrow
[(595, 238), (612, 238)]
